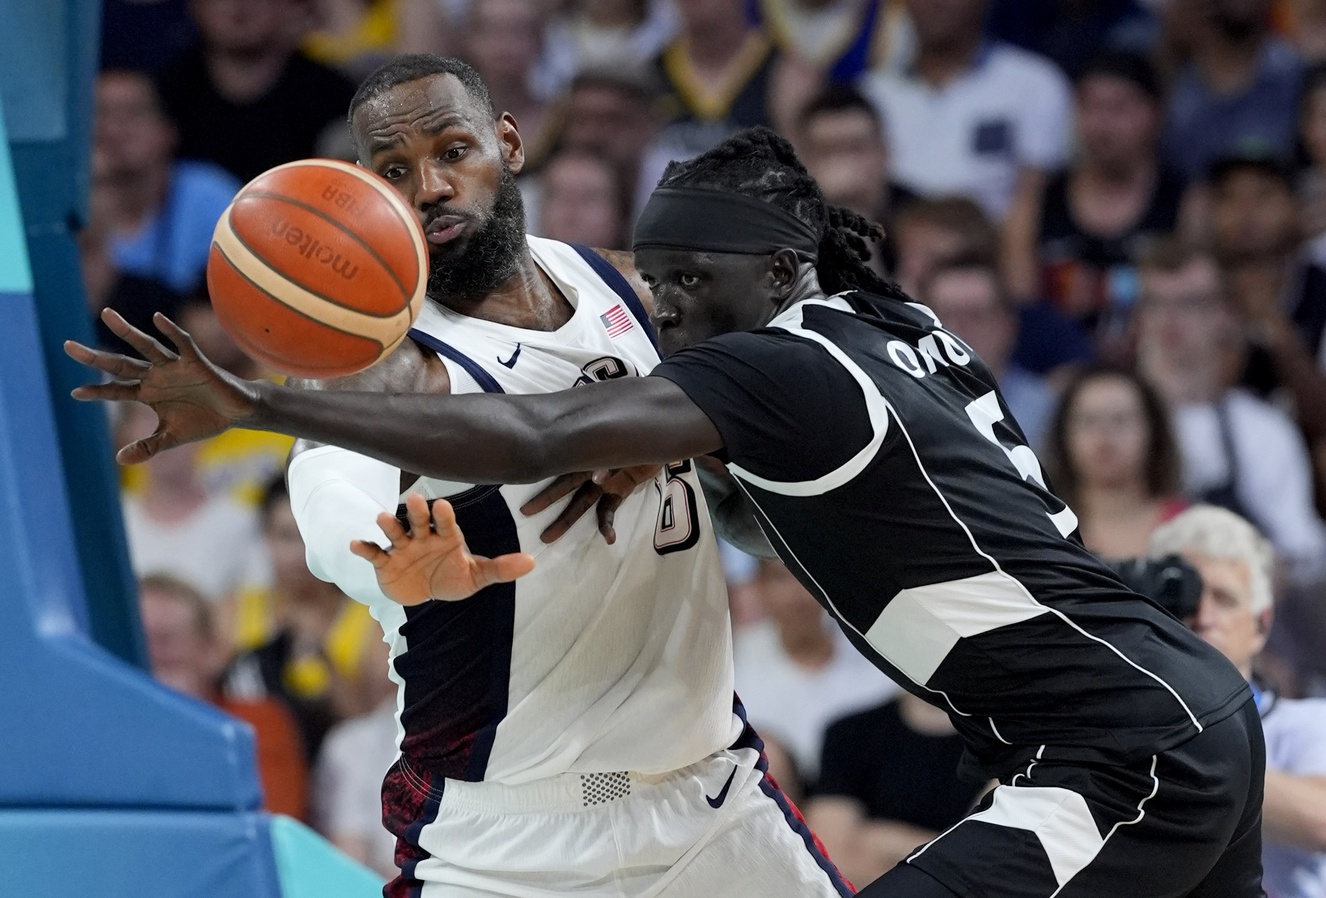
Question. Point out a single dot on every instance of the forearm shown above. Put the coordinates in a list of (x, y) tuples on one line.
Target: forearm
[(485, 438), (1294, 810)]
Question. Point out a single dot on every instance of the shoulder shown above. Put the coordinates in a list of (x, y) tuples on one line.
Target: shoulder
[(624, 262), (1009, 63), (1258, 415)]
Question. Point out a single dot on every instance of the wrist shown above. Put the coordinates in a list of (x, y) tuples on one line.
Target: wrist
[(256, 404)]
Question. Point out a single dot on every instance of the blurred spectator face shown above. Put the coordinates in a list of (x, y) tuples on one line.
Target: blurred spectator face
[(132, 136), (581, 202), (845, 152), (285, 546), (1182, 316), (921, 246), (505, 38), (1117, 121), (180, 646), (969, 303), (1106, 433), (696, 15), (1238, 18), (171, 470), (245, 26), (1225, 618), (609, 121), (941, 24), (785, 599), (1253, 216)]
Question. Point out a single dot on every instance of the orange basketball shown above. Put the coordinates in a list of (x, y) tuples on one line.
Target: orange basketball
[(318, 268)]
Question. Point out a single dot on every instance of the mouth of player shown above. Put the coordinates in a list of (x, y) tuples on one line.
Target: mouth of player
[(444, 229)]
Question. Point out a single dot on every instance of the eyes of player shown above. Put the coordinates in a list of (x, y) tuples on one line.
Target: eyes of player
[(686, 280)]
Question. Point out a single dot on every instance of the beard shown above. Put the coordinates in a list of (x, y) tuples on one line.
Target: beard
[(489, 257)]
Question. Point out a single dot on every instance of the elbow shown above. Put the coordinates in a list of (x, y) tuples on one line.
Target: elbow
[(533, 450)]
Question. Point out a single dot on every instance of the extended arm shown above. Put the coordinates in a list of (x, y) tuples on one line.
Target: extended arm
[(473, 438), (1294, 811)]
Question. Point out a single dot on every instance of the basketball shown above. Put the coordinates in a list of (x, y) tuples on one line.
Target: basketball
[(317, 268)]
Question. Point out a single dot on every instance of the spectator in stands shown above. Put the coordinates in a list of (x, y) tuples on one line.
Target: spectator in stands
[(1238, 91), (347, 780), (503, 40), (606, 34), (354, 36), (613, 113), (1279, 290), (842, 144), (1310, 182), (888, 784), (842, 38), (1076, 248), (161, 212), (1234, 616), (245, 97), (581, 201), (969, 298), (176, 526), (135, 297), (187, 654), (1112, 457), (972, 116), (307, 642), (796, 671), (1068, 33), (722, 74), (1237, 450), (928, 231)]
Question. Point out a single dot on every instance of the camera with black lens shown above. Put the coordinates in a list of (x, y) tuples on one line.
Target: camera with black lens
[(1169, 581)]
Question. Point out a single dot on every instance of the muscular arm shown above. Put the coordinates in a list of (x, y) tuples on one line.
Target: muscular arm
[(497, 438)]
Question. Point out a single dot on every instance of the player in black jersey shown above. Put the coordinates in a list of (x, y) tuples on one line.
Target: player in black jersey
[(881, 463)]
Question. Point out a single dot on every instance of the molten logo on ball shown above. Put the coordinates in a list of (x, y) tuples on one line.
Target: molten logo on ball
[(310, 247), (342, 199)]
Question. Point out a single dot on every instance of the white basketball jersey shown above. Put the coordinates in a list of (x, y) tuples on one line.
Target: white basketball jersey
[(605, 657)]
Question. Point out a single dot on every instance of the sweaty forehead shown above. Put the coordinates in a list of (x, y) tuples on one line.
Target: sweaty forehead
[(425, 105)]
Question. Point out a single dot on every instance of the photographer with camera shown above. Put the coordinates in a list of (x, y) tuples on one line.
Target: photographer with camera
[(1233, 614)]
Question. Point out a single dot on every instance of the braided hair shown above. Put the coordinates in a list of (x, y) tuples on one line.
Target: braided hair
[(758, 163)]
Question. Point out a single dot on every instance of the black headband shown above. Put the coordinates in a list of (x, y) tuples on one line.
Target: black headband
[(719, 221)]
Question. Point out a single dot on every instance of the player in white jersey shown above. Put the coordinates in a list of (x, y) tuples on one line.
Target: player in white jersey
[(573, 731)]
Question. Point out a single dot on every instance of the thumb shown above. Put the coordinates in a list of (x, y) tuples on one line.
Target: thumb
[(141, 450), (504, 568)]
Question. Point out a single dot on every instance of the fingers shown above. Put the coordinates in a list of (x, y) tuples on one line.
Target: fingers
[(580, 503), (114, 364), (607, 511), (418, 514), (503, 569), (141, 450), (370, 552), (392, 529), (150, 349), (558, 489), (177, 335), (444, 518), (118, 391)]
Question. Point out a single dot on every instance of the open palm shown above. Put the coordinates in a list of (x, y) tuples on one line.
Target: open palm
[(433, 562)]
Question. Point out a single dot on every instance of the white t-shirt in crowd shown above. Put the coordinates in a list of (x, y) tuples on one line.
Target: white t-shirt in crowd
[(1295, 743), (795, 705), (213, 549), (1274, 483), (974, 135)]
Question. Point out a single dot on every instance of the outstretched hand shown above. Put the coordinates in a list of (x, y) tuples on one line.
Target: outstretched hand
[(433, 562), (604, 489), (193, 398)]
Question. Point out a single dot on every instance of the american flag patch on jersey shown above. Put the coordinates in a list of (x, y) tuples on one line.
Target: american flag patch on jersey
[(617, 320)]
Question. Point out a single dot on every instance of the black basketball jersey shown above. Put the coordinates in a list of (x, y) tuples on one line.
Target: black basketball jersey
[(887, 472)]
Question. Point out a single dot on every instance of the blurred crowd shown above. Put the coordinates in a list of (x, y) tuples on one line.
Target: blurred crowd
[(1119, 204)]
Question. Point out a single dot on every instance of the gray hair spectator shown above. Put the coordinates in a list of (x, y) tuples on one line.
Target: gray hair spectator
[(1234, 616)]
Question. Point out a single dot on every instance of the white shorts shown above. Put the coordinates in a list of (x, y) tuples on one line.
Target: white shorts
[(717, 829)]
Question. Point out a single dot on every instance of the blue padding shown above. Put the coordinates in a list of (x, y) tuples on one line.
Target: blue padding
[(81, 727), (309, 867), (134, 854)]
